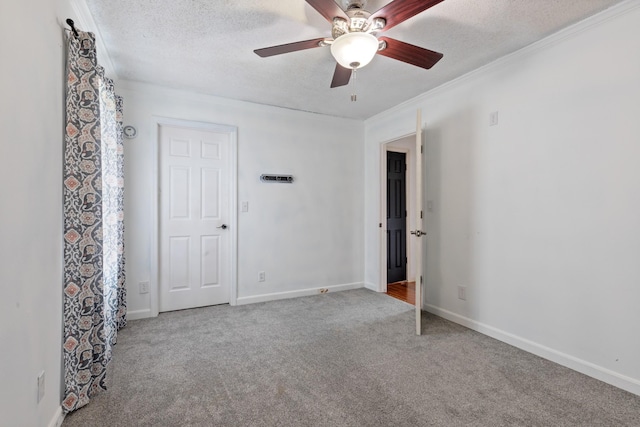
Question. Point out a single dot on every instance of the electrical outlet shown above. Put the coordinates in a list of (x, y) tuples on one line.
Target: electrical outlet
[(144, 287), (462, 292), (40, 386), (244, 207), (261, 276)]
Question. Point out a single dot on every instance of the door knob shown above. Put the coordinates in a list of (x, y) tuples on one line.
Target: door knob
[(223, 226)]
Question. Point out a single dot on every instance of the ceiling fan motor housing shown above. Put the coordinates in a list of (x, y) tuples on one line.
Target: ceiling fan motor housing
[(358, 21)]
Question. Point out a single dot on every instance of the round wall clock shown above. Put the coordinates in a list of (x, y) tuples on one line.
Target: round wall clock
[(130, 132)]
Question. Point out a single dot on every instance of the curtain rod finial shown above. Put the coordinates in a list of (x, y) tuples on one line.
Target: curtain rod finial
[(72, 25)]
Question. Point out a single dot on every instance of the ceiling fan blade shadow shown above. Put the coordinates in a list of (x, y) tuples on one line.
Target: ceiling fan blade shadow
[(411, 54), (341, 76), (328, 8), (399, 11), (289, 47)]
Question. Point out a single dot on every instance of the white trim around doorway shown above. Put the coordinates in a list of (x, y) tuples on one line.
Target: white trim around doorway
[(384, 148), (233, 221)]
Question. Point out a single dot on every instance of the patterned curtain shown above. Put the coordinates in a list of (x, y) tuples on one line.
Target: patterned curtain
[(93, 190)]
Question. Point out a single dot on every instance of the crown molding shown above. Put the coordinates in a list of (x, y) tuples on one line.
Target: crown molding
[(86, 23), (514, 57)]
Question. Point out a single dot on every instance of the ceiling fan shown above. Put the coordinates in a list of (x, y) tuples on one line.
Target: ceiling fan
[(354, 40)]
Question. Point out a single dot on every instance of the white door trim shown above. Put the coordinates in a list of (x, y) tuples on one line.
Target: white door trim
[(155, 212), (419, 254)]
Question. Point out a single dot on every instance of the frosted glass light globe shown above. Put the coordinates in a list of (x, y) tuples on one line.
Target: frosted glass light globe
[(354, 50)]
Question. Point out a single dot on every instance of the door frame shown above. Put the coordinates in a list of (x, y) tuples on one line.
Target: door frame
[(157, 121), (410, 198)]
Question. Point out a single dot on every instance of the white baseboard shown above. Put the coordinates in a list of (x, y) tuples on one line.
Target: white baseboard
[(139, 314), (371, 286), (598, 372), (297, 293), (57, 419), (146, 313)]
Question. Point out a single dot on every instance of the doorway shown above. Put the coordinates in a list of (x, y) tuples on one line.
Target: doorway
[(396, 217), (196, 215), (396, 204), (411, 144)]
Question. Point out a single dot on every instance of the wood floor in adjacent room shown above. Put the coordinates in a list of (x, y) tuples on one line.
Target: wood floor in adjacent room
[(404, 291)]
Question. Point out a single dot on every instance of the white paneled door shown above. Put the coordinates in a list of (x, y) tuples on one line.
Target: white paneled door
[(195, 211)]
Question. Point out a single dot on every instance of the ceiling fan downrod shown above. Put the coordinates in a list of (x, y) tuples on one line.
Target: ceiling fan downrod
[(354, 4)]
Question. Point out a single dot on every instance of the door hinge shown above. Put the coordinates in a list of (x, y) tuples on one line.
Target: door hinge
[(420, 214), (422, 149), (421, 280)]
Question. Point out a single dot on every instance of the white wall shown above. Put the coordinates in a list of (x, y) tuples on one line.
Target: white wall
[(305, 236), (31, 144), (538, 216)]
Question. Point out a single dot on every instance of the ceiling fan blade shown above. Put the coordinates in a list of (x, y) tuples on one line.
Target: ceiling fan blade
[(329, 9), (400, 10), (341, 76), (289, 47), (405, 52)]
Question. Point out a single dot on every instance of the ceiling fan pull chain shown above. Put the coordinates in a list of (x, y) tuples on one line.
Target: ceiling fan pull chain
[(354, 96)]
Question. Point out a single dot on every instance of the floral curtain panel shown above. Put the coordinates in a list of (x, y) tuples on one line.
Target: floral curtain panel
[(93, 190)]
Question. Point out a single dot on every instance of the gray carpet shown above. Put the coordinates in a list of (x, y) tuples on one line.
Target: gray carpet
[(340, 359)]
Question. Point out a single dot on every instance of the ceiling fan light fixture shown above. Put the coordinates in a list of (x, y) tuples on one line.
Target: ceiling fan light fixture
[(354, 50)]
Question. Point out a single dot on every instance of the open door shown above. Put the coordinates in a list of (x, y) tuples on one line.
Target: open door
[(418, 233)]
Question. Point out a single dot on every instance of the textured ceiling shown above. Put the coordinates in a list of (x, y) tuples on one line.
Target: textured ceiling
[(207, 46)]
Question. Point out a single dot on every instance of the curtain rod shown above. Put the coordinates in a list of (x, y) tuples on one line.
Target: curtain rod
[(72, 25)]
